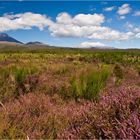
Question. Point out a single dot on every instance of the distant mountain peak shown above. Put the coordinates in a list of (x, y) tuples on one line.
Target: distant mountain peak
[(6, 38), (34, 43), (3, 35)]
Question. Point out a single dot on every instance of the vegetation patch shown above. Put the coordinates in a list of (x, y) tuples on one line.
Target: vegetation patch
[(89, 84), (69, 94)]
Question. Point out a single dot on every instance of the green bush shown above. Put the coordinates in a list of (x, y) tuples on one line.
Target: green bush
[(12, 79), (7, 84), (20, 74), (89, 85)]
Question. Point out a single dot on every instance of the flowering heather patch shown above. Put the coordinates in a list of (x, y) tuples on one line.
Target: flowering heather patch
[(38, 116), (116, 115)]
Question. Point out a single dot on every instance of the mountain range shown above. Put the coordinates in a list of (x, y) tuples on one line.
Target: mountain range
[(35, 43), (5, 38)]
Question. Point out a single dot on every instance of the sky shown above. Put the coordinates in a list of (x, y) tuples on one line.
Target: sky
[(73, 23)]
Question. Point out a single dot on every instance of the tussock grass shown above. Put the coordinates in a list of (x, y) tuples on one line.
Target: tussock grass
[(118, 73), (12, 79), (88, 85)]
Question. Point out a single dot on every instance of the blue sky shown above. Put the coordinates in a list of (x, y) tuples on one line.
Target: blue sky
[(79, 24)]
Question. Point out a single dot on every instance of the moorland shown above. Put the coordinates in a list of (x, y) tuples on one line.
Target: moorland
[(61, 93)]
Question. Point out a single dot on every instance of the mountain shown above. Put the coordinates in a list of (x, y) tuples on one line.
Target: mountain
[(6, 38), (34, 43)]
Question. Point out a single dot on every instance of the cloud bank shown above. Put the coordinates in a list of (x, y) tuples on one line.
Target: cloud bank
[(23, 21), (86, 26), (91, 44), (81, 25)]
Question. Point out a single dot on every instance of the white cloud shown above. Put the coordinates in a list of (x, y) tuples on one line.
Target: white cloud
[(81, 25), (108, 9), (80, 19), (137, 13), (23, 21), (138, 35), (134, 29), (91, 44), (122, 17), (124, 9), (129, 26), (64, 18)]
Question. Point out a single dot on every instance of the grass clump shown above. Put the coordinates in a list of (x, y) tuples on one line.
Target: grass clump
[(20, 74), (7, 84), (12, 80), (89, 85), (118, 73)]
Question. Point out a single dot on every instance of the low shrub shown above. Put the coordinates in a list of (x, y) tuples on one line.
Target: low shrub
[(116, 116), (62, 71), (12, 80), (7, 84), (39, 116), (20, 75), (89, 85), (118, 73), (33, 116)]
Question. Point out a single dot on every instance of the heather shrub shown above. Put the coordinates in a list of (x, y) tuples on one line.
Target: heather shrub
[(116, 116), (34, 116), (30, 83), (129, 128)]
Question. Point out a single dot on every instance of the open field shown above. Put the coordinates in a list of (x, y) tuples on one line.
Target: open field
[(69, 93)]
